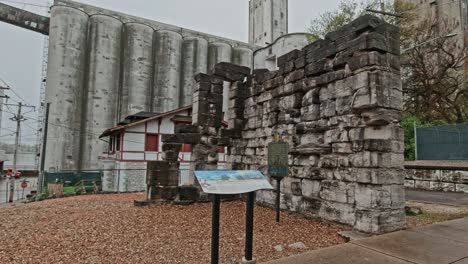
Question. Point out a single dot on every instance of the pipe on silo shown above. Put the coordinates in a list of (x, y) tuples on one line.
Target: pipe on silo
[(137, 69), (65, 82), (194, 61), (167, 70), (220, 52), (243, 57), (102, 83)]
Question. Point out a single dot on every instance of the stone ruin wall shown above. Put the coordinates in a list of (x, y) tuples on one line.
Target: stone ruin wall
[(337, 103)]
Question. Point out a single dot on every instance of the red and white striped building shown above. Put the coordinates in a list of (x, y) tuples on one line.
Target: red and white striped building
[(137, 140)]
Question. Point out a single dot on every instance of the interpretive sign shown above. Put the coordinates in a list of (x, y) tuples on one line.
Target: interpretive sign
[(231, 182), (278, 159)]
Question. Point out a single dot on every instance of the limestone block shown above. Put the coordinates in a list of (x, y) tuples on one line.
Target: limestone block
[(294, 76), (293, 101), (188, 193), (364, 59), (290, 56), (231, 72), (165, 193), (327, 78), (314, 138), (422, 185), (391, 160), (453, 176), (317, 67), (392, 132), (378, 222), (365, 159), (311, 188), (344, 148), (309, 83), (328, 109), (344, 105), (273, 83), (336, 136), (334, 161), (308, 160), (379, 197), (337, 191), (310, 112), (380, 145), (378, 176), (311, 97), (409, 184), (338, 212), (461, 188), (327, 93), (365, 22), (300, 62), (442, 186)]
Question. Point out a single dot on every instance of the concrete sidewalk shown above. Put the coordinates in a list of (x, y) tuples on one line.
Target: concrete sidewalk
[(443, 243)]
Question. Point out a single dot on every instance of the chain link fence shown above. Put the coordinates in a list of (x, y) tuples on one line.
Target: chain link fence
[(447, 142)]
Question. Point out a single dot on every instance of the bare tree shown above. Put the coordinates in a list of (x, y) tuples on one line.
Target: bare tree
[(433, 72)]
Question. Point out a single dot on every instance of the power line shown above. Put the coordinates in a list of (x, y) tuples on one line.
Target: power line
[(15, 93), (23, 3)]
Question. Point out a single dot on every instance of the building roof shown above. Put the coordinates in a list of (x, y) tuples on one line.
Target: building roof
[(177, 118), (111, 131)]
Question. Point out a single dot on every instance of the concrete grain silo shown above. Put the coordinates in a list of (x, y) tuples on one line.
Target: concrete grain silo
[(220, 52), (242, 56), (194, 61), (102, 85), (65, 86), (167, 70), (137, 69)]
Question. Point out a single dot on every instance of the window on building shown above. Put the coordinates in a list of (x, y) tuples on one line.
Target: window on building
[(151, 142), (222, 149), (117, 143), (111, 144)]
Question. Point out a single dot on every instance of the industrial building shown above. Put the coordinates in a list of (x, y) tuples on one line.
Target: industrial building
[(104, 66)]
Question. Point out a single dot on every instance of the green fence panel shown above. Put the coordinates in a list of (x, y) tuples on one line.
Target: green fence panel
[(449, 142), (72, 178)]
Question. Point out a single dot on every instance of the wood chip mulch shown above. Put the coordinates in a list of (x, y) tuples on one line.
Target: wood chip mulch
[(110, 229)]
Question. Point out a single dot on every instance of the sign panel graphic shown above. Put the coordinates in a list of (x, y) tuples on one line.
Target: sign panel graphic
[(278, 159), (231, 182)]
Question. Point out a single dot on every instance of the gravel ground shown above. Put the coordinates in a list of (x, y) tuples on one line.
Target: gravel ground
[(109, 229)]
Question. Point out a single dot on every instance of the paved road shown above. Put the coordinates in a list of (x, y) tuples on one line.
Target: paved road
[(444, 243), (437, 197), (4, 188)]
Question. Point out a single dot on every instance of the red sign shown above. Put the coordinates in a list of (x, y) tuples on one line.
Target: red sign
[(9, 172), (24, 185)]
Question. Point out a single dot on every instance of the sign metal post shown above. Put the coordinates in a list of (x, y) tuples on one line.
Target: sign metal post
[(232, 182), (215, 215), (249, 224)]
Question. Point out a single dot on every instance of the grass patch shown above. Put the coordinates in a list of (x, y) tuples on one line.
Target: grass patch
[(68, 190), (429, 218)]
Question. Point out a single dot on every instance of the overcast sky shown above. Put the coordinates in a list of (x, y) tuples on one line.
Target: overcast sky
[(21, 50)]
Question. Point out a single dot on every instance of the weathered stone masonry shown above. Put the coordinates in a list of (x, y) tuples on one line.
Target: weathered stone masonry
[(338, 104)]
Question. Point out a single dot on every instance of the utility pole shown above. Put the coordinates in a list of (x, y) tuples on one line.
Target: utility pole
[(18, 118)]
